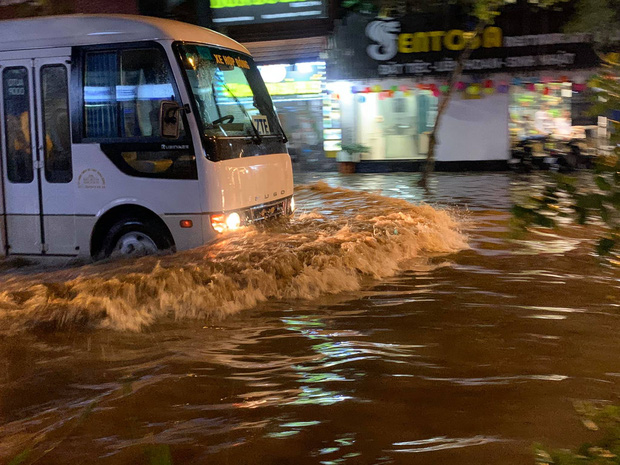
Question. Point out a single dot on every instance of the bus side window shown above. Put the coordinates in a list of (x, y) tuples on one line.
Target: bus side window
[(145, 72), (123, 91), (100, 112), (55, 102), (17, 125), (122, 97)]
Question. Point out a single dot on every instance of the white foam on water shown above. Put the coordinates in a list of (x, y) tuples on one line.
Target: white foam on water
[(337, 239)]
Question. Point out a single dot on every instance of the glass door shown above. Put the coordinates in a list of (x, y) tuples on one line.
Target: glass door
[(58, 186), (21, 179)]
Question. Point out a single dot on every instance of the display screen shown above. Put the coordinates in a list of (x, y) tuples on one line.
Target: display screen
[(262, 11)]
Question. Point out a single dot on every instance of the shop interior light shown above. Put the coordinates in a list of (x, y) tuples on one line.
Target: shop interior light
[(340, 87), (273, 73), (304, 68)]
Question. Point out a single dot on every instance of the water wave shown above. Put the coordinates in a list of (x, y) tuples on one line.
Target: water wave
[(443, 443), (337, 239)]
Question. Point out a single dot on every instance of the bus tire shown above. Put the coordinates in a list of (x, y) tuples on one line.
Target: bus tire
[(134, 237)]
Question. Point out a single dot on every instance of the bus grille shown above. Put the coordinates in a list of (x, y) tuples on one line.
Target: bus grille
[(266, 211)]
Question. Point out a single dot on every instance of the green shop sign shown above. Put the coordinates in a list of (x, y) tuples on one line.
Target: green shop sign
[(263, 11)]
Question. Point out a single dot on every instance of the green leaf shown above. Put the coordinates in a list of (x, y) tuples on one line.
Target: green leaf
[(159, 454), (605, 214), (570, 188), (21, 457), (605, 245), (582, 214), (355, 148), (544, 221), (590, 201), (603, 166), (521, 212), (584, 449), (564, 180), (602, 183)]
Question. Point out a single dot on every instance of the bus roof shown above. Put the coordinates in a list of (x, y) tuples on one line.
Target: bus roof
[(71, 30)]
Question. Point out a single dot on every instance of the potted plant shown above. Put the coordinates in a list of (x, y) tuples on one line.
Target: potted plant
[(349, 156)]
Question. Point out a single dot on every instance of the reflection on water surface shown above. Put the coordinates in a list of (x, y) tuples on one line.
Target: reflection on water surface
[(367, 331)]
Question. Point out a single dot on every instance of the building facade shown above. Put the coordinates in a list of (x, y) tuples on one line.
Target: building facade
[(345, 78), (387, 75), (10, 9)]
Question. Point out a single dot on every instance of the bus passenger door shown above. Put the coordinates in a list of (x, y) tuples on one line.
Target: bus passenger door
[(20, 177), (55, 155)]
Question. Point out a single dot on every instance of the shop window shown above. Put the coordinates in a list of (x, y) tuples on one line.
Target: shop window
[(55, 101), (538, 110), (395, 125), (17, 125)]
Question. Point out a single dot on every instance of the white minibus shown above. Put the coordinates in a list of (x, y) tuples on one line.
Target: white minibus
[(125, 135)]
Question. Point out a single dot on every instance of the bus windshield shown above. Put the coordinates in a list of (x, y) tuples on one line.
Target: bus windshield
[(230, 95)]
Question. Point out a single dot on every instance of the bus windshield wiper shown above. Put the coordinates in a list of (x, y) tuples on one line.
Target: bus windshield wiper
[(256, 137), (284, 138)]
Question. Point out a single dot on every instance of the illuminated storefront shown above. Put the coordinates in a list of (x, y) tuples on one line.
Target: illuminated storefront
[(297, 91), (393, 123), (542, 107), (386, 76)]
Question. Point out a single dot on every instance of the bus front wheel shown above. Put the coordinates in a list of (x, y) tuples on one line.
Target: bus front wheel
[(134, 237)]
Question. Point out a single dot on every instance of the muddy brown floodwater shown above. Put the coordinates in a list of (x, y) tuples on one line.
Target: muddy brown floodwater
[(372, 329)]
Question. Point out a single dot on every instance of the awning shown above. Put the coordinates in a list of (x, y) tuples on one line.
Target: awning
[(288, 51)]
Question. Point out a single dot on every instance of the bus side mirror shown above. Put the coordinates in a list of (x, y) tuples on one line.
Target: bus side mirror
[(169, 119)]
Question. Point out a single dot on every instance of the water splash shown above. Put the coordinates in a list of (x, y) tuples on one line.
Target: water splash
[(338, 239)]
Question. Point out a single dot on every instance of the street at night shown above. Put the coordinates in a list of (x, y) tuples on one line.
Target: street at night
[(475, 348), (318, 232)]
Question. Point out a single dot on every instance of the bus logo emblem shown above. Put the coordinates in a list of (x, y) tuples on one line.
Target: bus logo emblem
[(91, 179)]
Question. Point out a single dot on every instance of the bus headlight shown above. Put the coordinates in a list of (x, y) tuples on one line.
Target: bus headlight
[(226, 222), (292, 204), (233, 221)]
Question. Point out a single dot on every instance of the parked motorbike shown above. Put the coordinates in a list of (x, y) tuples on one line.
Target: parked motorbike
[(559, 156), (523, 159)]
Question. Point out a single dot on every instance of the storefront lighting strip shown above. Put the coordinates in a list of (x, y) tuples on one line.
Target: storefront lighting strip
[(235, 19), (318, 97), (292, 15)]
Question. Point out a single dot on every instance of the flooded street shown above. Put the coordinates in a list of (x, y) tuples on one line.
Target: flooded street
[(387, 326)]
